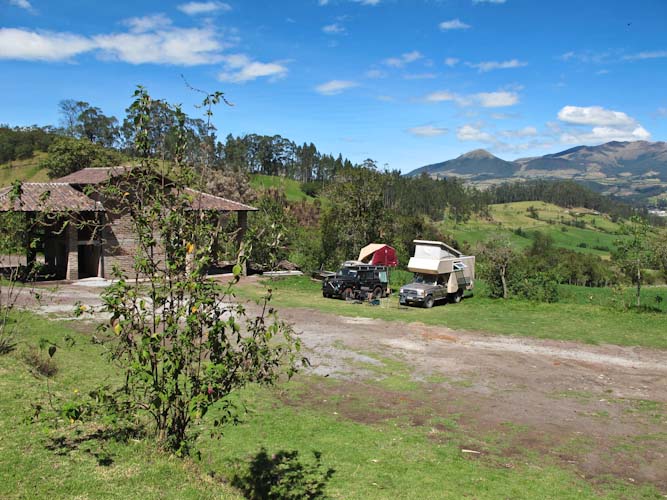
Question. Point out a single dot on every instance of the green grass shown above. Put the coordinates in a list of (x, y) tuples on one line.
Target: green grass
[(601, 320), (23, 170), (388, 459), (290, 187), (597, 237)]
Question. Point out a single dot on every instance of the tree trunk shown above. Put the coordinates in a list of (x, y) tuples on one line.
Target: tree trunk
[(639, 285), (504, 281)]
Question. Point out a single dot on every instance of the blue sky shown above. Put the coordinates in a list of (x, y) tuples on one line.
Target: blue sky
[(406, 83)]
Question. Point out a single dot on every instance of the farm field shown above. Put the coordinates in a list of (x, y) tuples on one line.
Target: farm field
[(23, 170), (512, 220), (398, 410), (290, 187)]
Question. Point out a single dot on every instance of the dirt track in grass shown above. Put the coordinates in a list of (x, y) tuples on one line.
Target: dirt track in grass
[(601, 410)]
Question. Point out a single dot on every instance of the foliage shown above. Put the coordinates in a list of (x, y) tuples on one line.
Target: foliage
[(497, 258), (283, 476), (67, 155), (634, 254), (536, 287), (41, 363), (19, 143), (270, 231), (83, 121), (181, 345)]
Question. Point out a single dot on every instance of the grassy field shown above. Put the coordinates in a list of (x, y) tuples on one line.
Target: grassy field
[(388, 459), (23, 170), (597, 236), (595, 316), (291, 188)]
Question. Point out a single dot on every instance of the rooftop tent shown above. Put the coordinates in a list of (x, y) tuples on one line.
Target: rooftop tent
[(378, 254)]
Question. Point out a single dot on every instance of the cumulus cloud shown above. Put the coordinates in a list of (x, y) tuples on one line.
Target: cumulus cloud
[(333, 29), (196, 8), (454, 24), (334, 87), (486, 66), (22, 4), (499, 99), (607, 125), (451, 61), (41, 46), (239, 68), (403, 59), (147, 23), (427, 131), (472, 133), (521, 133), (375, 73), (175, 46)]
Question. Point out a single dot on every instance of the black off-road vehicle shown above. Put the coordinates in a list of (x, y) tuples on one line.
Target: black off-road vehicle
[(357, 281)]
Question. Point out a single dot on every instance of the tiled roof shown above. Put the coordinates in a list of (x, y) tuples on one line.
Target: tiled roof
[(47, 197), (204, 201), (94, 175)]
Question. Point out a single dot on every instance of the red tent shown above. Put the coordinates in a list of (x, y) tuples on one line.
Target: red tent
[(378, 254)]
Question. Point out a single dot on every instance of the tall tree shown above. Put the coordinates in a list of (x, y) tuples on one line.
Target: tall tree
[(633, 253)]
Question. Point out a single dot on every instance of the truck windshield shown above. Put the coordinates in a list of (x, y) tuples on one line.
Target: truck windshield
[(426, 279)]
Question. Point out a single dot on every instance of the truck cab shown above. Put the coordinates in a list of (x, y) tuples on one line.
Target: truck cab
[(356, 280), (441, 273)]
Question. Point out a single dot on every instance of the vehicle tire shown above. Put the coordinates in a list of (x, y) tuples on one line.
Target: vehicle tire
[(377, 292), (348, 294), (456, 296), (428, 301)]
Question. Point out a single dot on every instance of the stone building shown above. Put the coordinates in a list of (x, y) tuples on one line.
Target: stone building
[(102, 237)]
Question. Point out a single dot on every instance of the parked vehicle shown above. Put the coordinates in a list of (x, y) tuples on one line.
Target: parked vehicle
[(441, 273), (356, 280)]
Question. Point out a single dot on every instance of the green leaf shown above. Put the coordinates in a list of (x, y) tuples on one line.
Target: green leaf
[(52, 351)]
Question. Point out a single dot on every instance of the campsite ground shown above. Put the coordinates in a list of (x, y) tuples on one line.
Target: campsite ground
[(583, 419)]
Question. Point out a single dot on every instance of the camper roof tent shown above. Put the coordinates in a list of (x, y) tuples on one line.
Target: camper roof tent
[(425, 249)]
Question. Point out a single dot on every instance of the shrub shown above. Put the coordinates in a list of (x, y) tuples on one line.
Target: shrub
[(40, 363)]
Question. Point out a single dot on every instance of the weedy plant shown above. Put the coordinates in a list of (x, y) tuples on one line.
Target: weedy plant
[(180, 342)]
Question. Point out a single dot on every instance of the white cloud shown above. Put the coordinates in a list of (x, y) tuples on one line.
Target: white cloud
[(367, 2), (403, 59), (175, 46), (147, 23), (656, 54), (375, 73), (498, 99), (334, 87), (485, 66), (427, 131), (332, 29), (323, 2), (239, 68), (22, 4), (419, 76), (43, 46), (451, 61), (454, 24), (594, 115), (489, 1), (607, 125), (521, 133), (195, 8), (472, 133)]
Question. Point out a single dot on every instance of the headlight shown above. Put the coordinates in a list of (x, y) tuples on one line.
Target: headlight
[(420, 293), (400, 291)]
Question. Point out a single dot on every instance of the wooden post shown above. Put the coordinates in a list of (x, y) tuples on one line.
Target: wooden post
[(242, 226), (72, 252)]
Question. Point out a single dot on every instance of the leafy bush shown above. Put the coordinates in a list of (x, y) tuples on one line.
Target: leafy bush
[(39, 362), (539, 287)]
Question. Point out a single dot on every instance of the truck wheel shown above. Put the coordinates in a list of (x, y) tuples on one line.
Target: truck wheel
[(377, 292), (428, 302), (456, 296), (348, 294)]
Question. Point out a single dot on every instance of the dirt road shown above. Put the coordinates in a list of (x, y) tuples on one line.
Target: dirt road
[(599, 409)]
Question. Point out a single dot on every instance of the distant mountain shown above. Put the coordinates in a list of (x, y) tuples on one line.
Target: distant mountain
[(477, 164), (622, 168)]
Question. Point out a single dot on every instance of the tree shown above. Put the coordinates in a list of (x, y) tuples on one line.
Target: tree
[(497, 258), (67, 155), (82, 121), (180, 343), (633, 253)]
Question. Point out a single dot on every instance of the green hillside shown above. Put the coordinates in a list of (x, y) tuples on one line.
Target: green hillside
[(577, 229), (23, 170)]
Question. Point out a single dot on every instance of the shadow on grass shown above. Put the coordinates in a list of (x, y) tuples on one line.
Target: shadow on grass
[(282, 476), (93, 442)]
